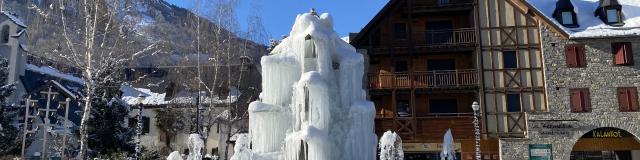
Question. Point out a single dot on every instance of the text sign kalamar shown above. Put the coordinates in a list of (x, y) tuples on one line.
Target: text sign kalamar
[(540, 152)]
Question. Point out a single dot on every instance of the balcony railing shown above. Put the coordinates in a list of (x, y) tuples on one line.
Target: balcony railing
[(428, 127), (449, 37), (425, 79), (432, 40), (442, 4)]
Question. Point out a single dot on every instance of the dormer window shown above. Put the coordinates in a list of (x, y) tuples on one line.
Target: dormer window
[(613, 16), (567, 18), (564, 14), (610, 12)]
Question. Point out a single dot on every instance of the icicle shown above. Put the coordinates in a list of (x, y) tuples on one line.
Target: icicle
[(448, 150)]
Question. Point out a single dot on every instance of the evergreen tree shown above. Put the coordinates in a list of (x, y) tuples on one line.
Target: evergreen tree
[(8, 112), (107, 132)]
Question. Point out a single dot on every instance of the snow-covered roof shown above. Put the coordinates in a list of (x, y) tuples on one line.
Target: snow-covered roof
[(130, 96), (15, 19), (590, 25), (54, 73)]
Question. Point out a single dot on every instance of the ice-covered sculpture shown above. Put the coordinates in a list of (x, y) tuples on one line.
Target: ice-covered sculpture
[(195, 147), (175, 155), (242, 149), (391, 146), (448, 150), (312, 105)]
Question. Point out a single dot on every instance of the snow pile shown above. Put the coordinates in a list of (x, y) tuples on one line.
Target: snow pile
[(391, 146), (312, 105), (46, 70), (242, 147), (175, 155), (590, 25), (448, 150), (195, 146)]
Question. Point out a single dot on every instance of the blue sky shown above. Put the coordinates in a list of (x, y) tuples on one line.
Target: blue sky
[(278, 15)]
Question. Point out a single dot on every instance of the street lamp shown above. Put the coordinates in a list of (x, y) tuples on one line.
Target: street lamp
[(476, 126), (141, 98)]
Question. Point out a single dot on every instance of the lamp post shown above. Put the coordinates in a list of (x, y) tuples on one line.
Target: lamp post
[(141, 98), (476, 126)]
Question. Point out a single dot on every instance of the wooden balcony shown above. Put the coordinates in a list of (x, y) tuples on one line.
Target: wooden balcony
[(442, 5), (428, 127), (464, 78), (426, 41)]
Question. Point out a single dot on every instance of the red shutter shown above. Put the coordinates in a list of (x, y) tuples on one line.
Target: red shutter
[(580, 55), (623, 54), (627, 53), (586, 102), (618, 53), (575, 100), (633, 97), (571, 56), (623, 99)]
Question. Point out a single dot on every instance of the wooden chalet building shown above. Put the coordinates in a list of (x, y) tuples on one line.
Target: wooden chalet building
[(429, 60)]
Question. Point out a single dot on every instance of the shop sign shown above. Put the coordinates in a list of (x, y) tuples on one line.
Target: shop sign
[(552, 128), (607, 132), (426, 147), (540, 152)]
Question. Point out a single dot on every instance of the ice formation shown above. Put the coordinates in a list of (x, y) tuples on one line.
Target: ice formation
[(195, 146), (448, 151), (175, 155), (391, 146), (242, 149), (312, 106)]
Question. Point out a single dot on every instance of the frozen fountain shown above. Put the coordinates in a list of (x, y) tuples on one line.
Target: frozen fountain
[(391, 146), (448, 150), (312, 105)]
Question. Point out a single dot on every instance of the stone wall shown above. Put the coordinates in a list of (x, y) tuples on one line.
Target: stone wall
[(559, 126)]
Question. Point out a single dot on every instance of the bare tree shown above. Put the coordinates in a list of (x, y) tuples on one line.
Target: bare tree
[(98, 46)]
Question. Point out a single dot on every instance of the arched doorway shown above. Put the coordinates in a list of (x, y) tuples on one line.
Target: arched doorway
[(606, 143)]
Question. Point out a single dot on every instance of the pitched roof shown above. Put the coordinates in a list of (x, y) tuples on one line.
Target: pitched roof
[(373, 21), (15, 19), (590, 25)]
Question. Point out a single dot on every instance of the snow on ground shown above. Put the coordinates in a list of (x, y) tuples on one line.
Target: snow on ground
[(55, 73), (590, 25)]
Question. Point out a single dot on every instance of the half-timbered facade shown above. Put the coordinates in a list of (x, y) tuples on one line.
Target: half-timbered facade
[(423, 74)]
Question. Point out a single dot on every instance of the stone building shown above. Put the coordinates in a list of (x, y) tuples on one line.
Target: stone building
[(591, 75), (555, 78)]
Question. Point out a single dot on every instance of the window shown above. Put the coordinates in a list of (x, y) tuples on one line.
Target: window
[(509, 59), (567, 18), (401, 67), (575, 55), (5, 34), (441, 2), (441, 64), (613, 16), (145, 125), (628, 99), (402, 108), (622, 52), (513, 103), (438, 32), (580, 101), (400, 31), (133, 123), (443, 106)]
